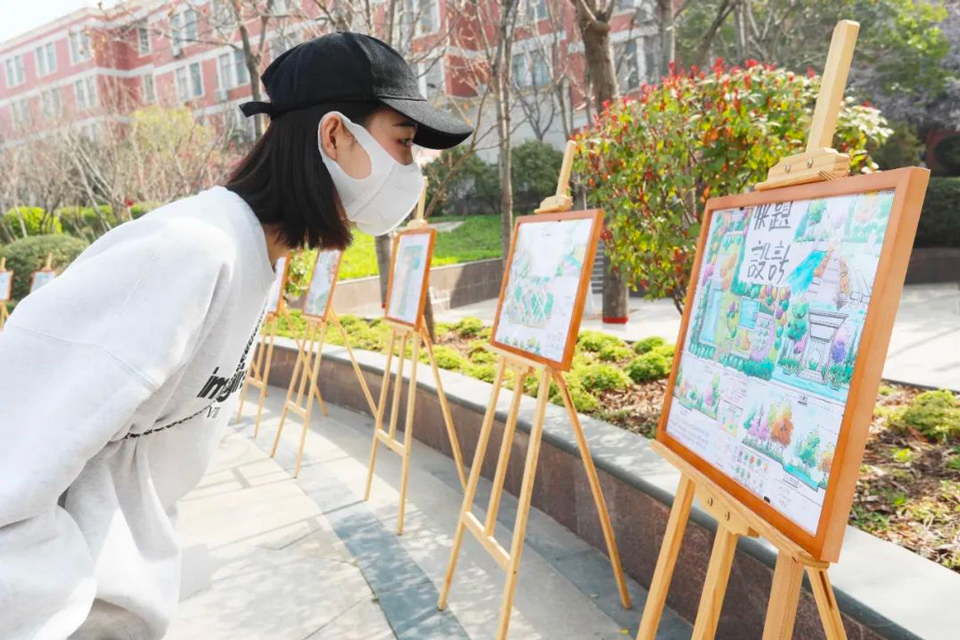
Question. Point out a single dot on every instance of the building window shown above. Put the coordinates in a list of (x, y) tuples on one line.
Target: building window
[(21, 112), (50, 101), (625, 60), (177, 36), (420, 17), (190, 25), (431, 79), (149, 90), (651, 62), (80, 49), (189, 81), (15, 75), (540, 69), (86, 91), (536, 10), (530, 70), (46, 59), (233, 70), (280, 44), (279, 7), (183, 90), (143, 39), (240, 64)]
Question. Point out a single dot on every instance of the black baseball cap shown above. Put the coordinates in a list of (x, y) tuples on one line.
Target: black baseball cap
[(353, 67)]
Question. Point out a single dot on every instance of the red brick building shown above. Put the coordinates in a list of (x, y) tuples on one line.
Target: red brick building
[(92, 65)]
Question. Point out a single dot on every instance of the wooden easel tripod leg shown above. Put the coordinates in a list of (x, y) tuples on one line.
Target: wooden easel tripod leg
[(312, 374), (298, 380), (826, 603), (381, 410), (715, 585), (253, 373), (408, 432), (353, 361), (445, 409), (596, 490), (523, 508), (486, 428), (667, 560), (265, 375)]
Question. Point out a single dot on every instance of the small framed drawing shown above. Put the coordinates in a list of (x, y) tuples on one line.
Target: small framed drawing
[(322, 283), (545, 286), (409, 272), (41, 278), (6, 285), (275, 299)]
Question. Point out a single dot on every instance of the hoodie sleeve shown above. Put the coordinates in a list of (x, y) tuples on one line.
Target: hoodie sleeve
[(77, 359)]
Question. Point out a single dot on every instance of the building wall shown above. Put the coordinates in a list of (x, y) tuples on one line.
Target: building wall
[(120, 72)]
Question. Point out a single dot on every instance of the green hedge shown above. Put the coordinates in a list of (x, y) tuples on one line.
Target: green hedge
[(29, 254), (940, 219), (34, 219)]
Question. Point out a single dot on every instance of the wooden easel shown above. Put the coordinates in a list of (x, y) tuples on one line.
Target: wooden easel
[(416, 334), (258, 374), (733, 518), (307, 371), (4, 314), (484, 531)]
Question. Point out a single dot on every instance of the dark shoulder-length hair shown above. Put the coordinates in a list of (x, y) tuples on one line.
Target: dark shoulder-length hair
[(286, 183)]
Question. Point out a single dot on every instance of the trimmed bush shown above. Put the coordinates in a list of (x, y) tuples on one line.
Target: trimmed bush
[(595, 341), (603, 377), (940, 219), (35, 220), (447, 357), (469, 327), (647, 344), (935, 414), (483, 371), (615, 353), (478, 353), (649, 366), (29, 254)]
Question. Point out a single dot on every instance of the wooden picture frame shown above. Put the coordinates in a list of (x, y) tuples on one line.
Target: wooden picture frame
[(46, 276), (333, 286), (909, 185), (528, 222), (274, 310), (391, 281), (6, 293)]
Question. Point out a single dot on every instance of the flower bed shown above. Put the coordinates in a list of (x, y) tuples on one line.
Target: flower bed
[(909, 489)]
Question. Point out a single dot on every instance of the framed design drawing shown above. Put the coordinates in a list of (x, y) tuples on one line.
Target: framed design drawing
[(275, 297), (545, 284), (41, 278), (409, 272), (322, 283), (784, 335), (6, 285)]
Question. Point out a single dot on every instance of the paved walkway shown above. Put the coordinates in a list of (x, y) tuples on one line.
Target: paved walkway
[(924, 348), (267, 556)]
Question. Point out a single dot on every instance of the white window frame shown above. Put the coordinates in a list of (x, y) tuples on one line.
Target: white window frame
[(426, 68), (144, 32), (176, 34), (533, 8), (620, 52), (181, 79), (193, 88), (46, 58), (81, 49), (152, 97), (50, 103), (80, 94), (15, 71), (190, 25), (20, 111)]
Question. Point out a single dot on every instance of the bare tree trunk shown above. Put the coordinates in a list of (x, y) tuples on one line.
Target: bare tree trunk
[(740, 30), (595, 31), (668, 41), (502, 77), (383, 245)]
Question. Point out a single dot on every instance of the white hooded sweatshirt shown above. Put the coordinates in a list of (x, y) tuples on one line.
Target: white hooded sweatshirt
[(116, 380)]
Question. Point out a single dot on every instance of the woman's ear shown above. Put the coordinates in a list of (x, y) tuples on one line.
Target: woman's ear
[(331, 134)]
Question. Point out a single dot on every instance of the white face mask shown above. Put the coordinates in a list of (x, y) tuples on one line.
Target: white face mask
[(379, 202)]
